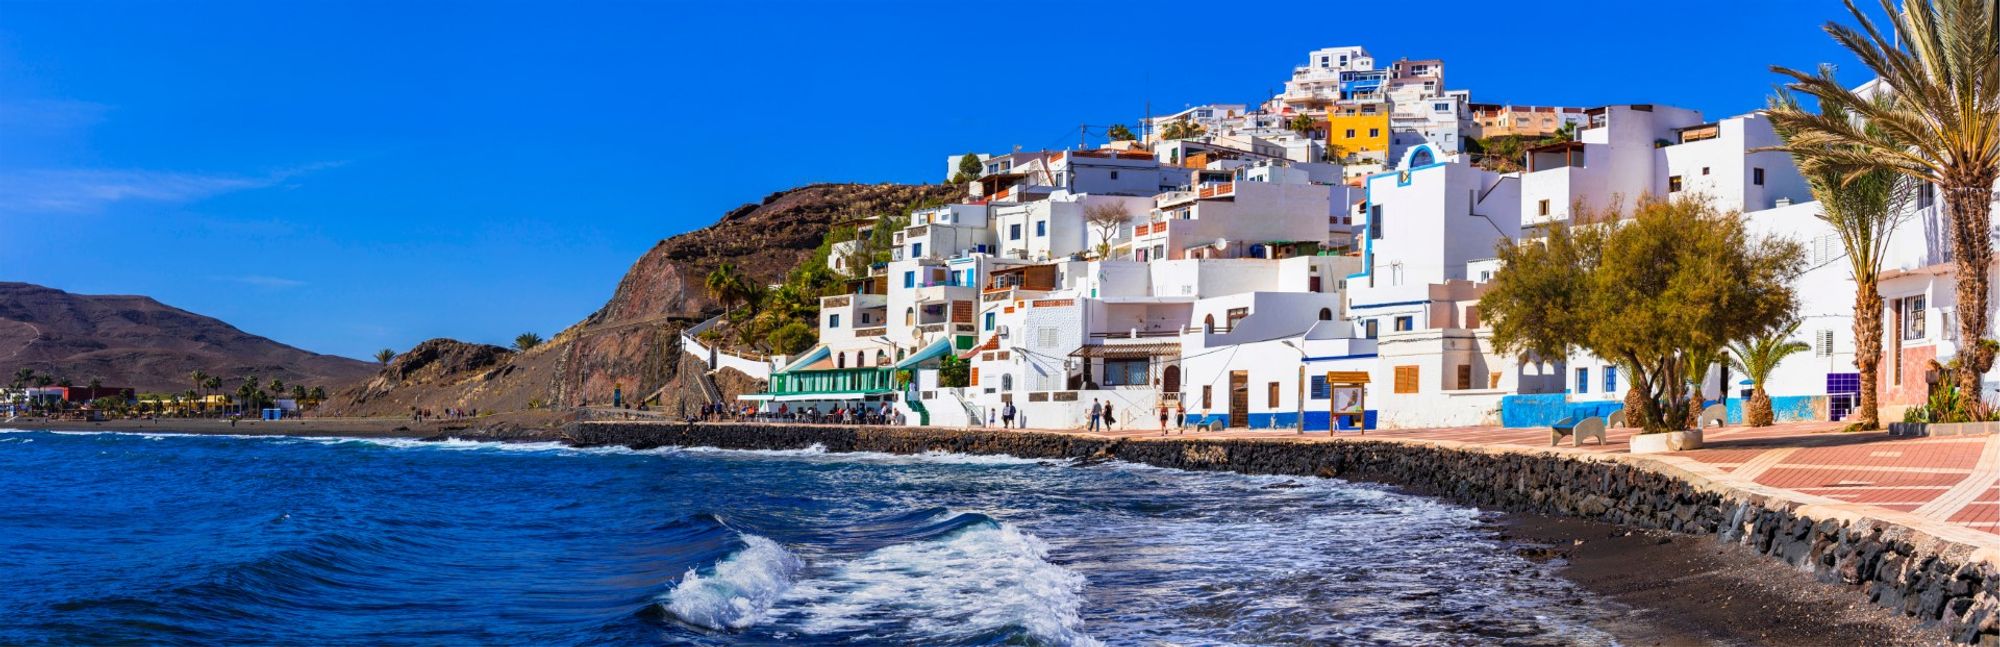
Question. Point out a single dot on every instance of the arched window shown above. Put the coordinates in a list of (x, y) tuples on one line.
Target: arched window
[(1208, 324), (881, 358), (909, 316), (840, 360), (1326, 314)]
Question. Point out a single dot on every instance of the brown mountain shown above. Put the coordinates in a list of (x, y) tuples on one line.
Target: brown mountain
[(632, 343), (138, 342)]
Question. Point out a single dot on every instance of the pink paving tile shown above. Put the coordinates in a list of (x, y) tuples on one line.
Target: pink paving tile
[(1794, 477)]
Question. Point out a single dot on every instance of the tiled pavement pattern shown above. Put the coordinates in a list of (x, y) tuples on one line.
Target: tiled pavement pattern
[(1953, 479)]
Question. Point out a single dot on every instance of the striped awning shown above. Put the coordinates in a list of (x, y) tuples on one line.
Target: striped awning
[(1156, 349)]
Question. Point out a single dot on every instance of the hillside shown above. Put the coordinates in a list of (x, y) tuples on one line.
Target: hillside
[(138, 342), (632, 342)]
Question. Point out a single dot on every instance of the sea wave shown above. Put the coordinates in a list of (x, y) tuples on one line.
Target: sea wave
[(738, 590), (985, 581)]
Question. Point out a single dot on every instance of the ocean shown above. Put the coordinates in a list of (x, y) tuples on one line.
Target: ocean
[(112, 538)]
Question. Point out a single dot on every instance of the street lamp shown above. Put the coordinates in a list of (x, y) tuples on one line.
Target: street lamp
[(1300, 401)]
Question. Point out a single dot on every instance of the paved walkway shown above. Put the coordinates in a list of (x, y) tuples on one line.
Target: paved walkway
[(1951, 479)]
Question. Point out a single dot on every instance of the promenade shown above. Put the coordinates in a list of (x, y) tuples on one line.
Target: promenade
[(1955, 480)]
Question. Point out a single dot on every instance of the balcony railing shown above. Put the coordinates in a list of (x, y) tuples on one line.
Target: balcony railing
[(1136, 334), (877, 331)]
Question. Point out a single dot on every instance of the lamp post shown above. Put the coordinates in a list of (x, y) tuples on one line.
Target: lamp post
[(1300, 401)]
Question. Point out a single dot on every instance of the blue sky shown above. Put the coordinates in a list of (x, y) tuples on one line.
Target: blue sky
[(352, 176)]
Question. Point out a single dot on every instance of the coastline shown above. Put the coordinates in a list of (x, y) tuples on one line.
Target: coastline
[(1681, 589)]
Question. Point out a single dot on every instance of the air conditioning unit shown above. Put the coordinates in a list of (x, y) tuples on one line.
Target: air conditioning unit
[(1001, 331)]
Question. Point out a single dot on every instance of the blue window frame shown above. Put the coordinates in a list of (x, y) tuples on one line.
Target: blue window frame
[(1042, 229), (1610, 379), (909, 279), (833, 321), (1582, 380), (989, 321), (916, 250), (1319, 390), (1014, 232)]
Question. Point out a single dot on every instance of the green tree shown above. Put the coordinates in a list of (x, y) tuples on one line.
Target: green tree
[(199, 378), (1757, 358), (277, 386), (1300, 124), (1656, 294), (1862, 205), (383, 356), (726, 285), (23, 378), (247, 392), (969, 168), (1941, 61), (526, 341), (954, 371), (317, 395), (1120, 133), (793, 338), (1182, 129)]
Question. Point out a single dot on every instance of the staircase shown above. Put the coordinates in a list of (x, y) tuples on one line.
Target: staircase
[(917, 405)]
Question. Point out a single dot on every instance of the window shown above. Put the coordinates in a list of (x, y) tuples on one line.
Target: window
[(1374, 132), (1014, 232), (1823, 343), (1326, 314), (1206, 391), (833, 321), (1234, 315), (1913, 317), (916, 250), (1042, 229), (1319, 388), (909, 316), (1369, 329), (1582, 380), (1543, 207), (1114, 175), (989, 321), (1045, 337), (1271, 395), (1406, 379), (1007, 382), (1610, 379), (1350, 133), (909, 279), (1674, 184), (1125, 372), (1757, 176), (1405, 322), (1926, 195), (1464, 376), (1704, 170), (1375, 221)]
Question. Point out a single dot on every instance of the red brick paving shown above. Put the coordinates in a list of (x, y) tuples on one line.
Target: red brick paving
[(1937, 478)]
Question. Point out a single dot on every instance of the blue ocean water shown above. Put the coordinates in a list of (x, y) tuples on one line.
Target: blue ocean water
[(112, 538)]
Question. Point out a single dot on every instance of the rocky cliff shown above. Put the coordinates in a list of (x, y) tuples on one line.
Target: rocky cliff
[(138, 342), (632, 343)]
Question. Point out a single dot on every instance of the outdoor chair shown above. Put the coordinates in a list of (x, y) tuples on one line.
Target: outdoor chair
[(1577, 430)]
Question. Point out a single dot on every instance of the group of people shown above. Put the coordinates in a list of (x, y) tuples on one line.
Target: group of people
[(850, 414), (447, 413)]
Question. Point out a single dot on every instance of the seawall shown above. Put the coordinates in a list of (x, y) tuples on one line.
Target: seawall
[(1933, 572)]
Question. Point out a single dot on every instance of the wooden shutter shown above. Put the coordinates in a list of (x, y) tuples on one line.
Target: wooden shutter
[(1406, 379)]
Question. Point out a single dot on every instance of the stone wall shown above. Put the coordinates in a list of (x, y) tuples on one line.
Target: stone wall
[(1937, 574)]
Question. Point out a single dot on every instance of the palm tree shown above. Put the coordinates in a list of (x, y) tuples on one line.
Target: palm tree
[(24, 377), (277, 386), (1862, 205), (199, 378), (1300, 124), (527, 340), (318, 395), (1120, 133), (383, 356), (1756, 358), (725, 285), (1941, 63), (247, 391), (1182, 129)]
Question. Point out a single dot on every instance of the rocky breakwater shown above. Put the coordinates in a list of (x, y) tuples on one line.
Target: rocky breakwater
[(1939, 574)]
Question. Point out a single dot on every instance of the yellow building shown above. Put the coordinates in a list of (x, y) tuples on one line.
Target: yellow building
[(1360, 131)]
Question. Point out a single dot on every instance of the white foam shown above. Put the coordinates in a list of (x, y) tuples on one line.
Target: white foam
[(739, 590), (983, 579)]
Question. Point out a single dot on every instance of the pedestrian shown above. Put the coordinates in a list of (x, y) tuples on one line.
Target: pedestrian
[(1163, 418), (1108, 419), (1007, 416), (1096, 413), (1180, 416)]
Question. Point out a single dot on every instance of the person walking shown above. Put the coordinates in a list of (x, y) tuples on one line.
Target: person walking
[(1096, 413), (1163, 418), (1007, 416), (1180, 416), (1108, 419)]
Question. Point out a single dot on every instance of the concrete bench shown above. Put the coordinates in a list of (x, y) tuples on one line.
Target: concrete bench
[(1715, 415), (1577, 430)]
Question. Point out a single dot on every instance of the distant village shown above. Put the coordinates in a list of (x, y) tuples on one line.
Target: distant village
[(1313, 262)]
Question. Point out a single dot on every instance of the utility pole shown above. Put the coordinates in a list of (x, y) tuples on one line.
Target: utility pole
[(1082, 136)]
